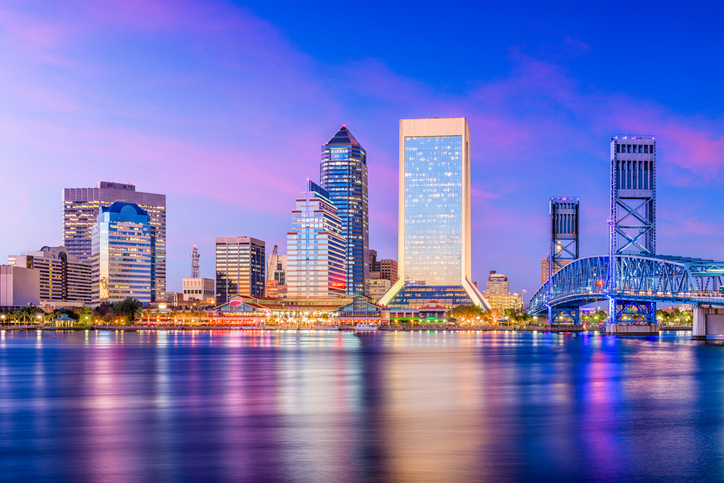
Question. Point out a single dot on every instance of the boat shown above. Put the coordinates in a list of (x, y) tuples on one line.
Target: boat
[(366, 327)]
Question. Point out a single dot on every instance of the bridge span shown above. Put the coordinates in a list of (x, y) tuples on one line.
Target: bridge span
[(632, 285)]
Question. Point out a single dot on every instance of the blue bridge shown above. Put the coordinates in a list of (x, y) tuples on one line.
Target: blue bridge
[(632, 285)]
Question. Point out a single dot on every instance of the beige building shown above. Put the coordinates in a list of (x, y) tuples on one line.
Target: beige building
[(498, 293), (378, 288), (19, 286), (199, 289)]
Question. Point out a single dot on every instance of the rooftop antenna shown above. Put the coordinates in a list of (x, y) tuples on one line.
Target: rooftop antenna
[(195, 262)]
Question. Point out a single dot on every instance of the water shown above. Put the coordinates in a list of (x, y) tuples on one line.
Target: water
[(316, 406)]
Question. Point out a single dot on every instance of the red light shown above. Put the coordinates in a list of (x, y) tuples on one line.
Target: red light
[(344, 126)]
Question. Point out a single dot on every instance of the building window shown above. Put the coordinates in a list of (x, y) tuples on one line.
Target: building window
[(646, 148)]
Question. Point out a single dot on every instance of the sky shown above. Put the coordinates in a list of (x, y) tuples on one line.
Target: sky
[(223, 106)]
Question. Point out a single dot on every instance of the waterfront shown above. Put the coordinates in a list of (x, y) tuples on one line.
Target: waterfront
[(319, 406)]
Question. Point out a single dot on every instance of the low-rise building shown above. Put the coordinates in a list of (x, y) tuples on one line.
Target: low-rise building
[(378, 288), (19, 286), (201, 289)]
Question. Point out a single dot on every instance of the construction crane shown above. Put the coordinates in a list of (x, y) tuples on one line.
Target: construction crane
[(195, 262)]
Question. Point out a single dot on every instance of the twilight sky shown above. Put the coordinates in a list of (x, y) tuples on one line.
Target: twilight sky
[(223, 106)]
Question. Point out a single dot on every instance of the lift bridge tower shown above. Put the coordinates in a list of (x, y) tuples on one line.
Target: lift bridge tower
[(633, 213), (563, 243)]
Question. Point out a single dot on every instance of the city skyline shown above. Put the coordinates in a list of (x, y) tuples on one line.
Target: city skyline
[(541, 118)]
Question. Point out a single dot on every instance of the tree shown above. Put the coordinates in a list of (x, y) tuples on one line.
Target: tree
[(127, 308), (466, 313)]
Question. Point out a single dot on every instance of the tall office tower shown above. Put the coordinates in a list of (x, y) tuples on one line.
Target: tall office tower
[(633, 195), (240, 267), (315, 247), (122, 254), (562, 235), (343, 173), (633, 210), (81, 207), (434, 216), (65, 281), (497, 293)]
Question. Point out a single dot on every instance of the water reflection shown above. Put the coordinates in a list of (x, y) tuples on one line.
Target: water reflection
[(319, 406)]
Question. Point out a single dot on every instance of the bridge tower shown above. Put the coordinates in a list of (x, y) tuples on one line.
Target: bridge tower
[(633, 212), (563, 216)]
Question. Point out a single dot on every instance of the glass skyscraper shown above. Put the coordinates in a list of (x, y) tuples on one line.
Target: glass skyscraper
[(434, 216), (122, 254), (81, 207), (315, 247), (343, 174), (240, 267)]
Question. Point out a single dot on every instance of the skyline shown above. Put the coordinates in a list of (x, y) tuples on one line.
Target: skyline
[(175, 101)]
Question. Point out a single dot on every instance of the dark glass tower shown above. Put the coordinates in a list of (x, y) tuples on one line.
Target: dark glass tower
[(343, 173)]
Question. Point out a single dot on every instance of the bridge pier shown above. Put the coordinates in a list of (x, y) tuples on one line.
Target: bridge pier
[(708, 320)]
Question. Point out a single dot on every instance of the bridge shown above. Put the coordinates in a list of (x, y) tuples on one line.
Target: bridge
[(632, 285), (632, 278)]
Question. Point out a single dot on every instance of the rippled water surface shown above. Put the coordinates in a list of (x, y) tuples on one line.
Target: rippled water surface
[(316, 406)]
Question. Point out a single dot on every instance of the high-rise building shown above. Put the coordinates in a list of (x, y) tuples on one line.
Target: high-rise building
[(497, 293), (544, 268), (315, 247), (65, 281), (497, 284), (239, 267), (81, 207), (374, 265), (343, 173), (388, 269), (434, 216), (122, 254)]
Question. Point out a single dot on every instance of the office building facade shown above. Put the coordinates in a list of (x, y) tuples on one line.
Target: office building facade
[(343, 174), (81, 207), (240, 267), (434, 216), (65, 281), (316, 254), (122, 262)]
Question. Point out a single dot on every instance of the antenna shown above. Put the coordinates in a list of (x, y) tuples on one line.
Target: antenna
[(195, 262)]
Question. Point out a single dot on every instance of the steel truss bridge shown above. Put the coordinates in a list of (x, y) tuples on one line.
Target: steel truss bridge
[(630, 285)]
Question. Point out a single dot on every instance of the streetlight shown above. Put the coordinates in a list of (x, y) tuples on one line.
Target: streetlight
[(3, 318)]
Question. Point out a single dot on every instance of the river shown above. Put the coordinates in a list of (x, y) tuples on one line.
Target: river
[(342, 407)]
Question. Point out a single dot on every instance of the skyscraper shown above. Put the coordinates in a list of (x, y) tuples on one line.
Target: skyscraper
[(239, 267), (81, 207), (434, 242), (343, 173), (122, 254), (315, 247)]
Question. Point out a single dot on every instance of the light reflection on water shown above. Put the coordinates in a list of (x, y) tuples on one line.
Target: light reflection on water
[(320, 406)]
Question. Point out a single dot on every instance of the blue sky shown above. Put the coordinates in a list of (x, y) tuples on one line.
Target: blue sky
[(223, 106)]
